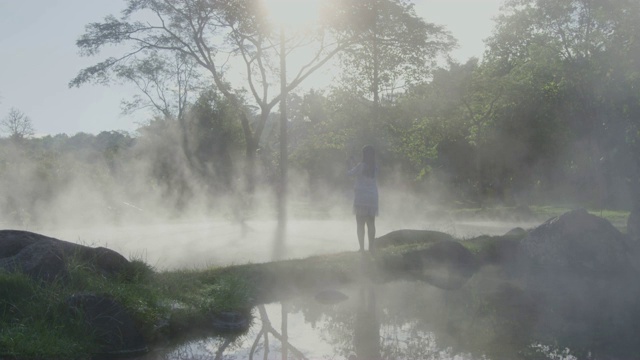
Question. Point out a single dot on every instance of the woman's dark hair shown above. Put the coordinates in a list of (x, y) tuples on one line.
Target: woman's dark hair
[(369, 161)]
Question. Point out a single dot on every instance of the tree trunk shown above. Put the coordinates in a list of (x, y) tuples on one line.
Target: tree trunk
[(282, 183), (250, 165), (375, 87)]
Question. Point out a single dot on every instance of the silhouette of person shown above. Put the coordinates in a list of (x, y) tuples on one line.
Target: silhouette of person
[(365, 202)]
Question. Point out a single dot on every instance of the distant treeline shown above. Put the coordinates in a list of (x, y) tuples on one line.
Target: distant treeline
[(433, 156)]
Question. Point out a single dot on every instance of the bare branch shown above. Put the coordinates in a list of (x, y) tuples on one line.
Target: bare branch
[(17, 125)]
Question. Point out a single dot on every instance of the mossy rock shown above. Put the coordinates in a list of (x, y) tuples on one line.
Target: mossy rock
[(495, 250), (411, 237)]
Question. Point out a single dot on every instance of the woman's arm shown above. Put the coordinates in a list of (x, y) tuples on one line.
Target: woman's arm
[(356, 170)]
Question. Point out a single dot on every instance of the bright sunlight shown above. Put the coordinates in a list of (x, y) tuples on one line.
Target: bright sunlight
[(292, 13)]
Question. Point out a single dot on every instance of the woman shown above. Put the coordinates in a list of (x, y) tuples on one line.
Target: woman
[(365, 203)]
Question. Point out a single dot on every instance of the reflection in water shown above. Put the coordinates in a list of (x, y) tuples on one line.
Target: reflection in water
[(378, 321), (285, 333), (366, 334), (400, 320), (267, 329)]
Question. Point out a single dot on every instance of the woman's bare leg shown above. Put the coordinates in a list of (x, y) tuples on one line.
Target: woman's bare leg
[(360, 221), (371, 230)]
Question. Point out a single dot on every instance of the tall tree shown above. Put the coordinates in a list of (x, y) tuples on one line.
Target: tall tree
[(398, 48), (165, 84), (211, 33), (215, 138)]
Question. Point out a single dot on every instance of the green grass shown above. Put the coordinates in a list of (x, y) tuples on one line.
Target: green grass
[(35, 321)]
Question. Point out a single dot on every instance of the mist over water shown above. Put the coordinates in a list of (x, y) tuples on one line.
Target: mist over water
[(123, 209), (202, 241)]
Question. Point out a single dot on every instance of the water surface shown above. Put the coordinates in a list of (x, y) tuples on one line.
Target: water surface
[(400, 320)]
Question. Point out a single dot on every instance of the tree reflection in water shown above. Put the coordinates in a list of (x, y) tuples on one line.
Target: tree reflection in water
[(396, 320), (267, 329)]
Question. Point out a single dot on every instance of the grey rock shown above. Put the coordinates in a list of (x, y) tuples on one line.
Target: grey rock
[(410, 236), (583, 273), (45, 258), (445, 264), (40, 260), (576, 243)]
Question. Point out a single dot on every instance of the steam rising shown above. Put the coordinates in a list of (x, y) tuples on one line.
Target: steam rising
[(178, 220)]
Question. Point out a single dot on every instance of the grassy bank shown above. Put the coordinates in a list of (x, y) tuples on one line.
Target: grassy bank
[(35, 320), (535, 214)]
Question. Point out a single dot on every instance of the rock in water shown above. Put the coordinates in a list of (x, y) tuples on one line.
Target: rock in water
[(445, 264)]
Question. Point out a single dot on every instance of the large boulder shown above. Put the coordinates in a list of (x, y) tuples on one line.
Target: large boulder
[(40, 260), (46, 258), (577, 244), (582, 271)]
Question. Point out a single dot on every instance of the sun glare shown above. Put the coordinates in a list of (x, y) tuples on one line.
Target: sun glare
[(292, 13)]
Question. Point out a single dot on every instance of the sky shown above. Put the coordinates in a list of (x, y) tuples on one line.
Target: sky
[(38, 58)]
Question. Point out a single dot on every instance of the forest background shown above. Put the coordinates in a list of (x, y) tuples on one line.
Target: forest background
[(550, 115)]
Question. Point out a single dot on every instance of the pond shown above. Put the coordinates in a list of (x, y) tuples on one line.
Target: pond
[(397, 320)]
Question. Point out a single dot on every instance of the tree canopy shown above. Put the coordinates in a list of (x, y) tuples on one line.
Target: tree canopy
[(549, 112)]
